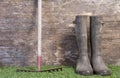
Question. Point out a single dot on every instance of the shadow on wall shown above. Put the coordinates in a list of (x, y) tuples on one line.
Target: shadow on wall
[(69, 49), (36, 3), (1, 64)]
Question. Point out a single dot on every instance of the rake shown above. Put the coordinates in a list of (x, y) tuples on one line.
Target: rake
[(39, 3)]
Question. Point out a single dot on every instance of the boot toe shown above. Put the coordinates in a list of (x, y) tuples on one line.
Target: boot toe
[(104, 73), (85, 73)]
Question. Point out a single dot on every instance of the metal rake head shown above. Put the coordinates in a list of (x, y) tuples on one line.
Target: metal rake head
[(47, 70)]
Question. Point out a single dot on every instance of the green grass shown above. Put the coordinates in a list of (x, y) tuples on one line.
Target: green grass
[(68, 72)]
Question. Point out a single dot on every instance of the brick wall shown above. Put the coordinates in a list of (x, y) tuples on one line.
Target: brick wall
[(58, 29), (18, 30)]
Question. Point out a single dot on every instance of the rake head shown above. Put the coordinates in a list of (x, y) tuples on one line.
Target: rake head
[(47, 70)]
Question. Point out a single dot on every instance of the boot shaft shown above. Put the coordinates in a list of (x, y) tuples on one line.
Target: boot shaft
[(95, 32), (82, 23), (88, 34)]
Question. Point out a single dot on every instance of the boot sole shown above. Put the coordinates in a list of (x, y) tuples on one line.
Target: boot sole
[(85, 73), (103, 73)]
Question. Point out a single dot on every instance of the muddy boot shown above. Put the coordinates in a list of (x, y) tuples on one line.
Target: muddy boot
[(83, 66), (98, 64)]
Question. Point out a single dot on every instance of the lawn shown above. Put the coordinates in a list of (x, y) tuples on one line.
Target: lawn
[(68, 72)]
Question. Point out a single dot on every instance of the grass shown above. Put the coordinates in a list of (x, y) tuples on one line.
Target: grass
[(68, 72)]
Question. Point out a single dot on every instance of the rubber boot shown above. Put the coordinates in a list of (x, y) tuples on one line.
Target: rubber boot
[(83, 65), (98, 64)]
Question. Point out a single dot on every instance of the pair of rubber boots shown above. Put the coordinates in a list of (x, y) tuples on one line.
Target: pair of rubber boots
[(88, 29)]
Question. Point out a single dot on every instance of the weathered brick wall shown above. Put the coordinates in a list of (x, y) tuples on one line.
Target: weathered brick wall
[(18, 30), (59, 41)]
